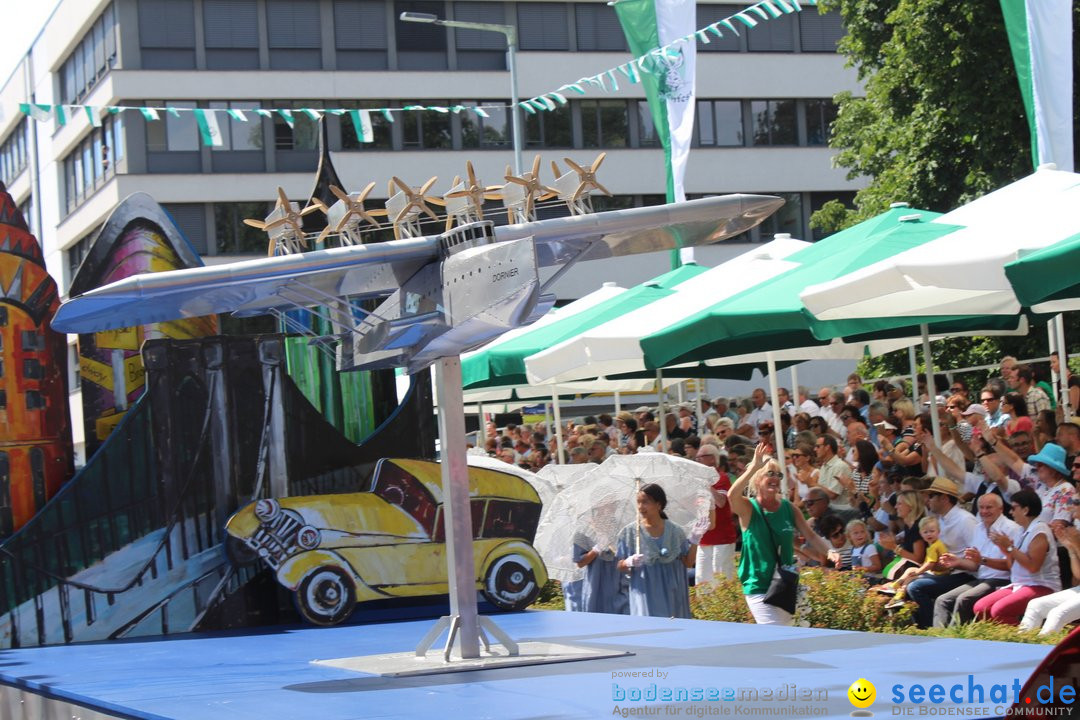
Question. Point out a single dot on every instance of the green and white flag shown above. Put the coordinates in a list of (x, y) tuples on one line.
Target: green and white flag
[(208, 127), (668, 76), (1040, 35), (361, 120)]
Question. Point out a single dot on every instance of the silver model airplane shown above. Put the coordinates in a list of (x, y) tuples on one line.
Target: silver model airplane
[(442, 294)]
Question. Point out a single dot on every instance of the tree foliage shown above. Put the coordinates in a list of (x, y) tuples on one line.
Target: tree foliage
[(941, 123)]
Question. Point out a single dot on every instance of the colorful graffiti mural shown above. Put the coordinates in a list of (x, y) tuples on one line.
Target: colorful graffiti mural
[(36, 455), (138, 237)]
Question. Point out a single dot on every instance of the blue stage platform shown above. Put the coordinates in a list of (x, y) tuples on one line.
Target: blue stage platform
[(750, 669)]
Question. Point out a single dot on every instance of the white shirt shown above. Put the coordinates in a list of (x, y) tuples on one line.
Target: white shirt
[(1048, 575), (810, 407), (973, 481), (828, 478), (957, 529), (951, 451), (756, 416), (981, 541), (833, 421)]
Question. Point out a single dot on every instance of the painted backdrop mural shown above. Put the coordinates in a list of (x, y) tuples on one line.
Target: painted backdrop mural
[(35, 429), (138, 237)]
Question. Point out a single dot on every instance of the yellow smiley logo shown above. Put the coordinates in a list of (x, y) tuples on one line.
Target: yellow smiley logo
[(862, 693)]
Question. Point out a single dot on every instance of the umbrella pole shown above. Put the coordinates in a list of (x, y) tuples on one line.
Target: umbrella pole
[(637, 518), (558, 426), (699, 413), (931, 387), (618, 403), (778, 431), (914, 377), (794, 391), (660, 397), (547, 419), (481, 434), (1063, 365)]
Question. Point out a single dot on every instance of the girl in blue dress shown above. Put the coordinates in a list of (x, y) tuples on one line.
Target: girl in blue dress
[(657, 554)]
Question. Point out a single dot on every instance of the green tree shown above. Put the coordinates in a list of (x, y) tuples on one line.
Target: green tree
[(941, 123)]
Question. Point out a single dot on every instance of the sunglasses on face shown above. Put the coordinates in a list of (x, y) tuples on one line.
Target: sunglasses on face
[(1076, 466), (774, 474), (838, 533), (956, 390), (799, 455), (811, 502), (989, 399)]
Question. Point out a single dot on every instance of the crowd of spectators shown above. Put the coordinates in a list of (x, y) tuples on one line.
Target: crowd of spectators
[(979, 521)]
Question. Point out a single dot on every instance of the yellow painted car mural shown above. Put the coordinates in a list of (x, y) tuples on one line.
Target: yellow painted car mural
[(334, 551)]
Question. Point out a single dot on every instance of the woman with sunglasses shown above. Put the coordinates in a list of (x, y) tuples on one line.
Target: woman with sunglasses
[(1016, 406), (803, 471), (908, 545), (769, 525)]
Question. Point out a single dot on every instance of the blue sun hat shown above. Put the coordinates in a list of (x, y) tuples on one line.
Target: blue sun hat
[(1052, 455)]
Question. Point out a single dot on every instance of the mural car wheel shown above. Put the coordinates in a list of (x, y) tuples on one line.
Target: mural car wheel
[(326, 596), (511, 583)]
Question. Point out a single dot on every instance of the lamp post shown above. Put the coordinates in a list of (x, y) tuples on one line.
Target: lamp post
[(511, 61)]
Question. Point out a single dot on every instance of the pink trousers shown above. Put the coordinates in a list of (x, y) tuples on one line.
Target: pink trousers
[(1007, 605)]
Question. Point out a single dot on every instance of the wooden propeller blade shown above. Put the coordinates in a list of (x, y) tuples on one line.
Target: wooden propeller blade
[(555, 169), (577, 168), (536, 166), (401, 184), (275, 224), (601, 188), (312, 208), (598, 161), (341, 194), (516, 180), (283, 198), (364, 193), (471, 173), (458, 194), (389, 188), (426, 209), (322, 236), (427, 186), (255, 223)]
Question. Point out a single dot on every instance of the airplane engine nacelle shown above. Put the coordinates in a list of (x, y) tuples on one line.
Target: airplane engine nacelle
[(487, 290)]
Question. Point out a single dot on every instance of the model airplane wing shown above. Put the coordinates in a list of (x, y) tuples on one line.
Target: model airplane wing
[(460, 288)]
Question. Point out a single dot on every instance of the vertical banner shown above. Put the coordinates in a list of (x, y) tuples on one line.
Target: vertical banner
[(361, 120), (1040, 36), (667, 76)]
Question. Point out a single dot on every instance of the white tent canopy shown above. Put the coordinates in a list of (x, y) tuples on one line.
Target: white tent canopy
[(962, 273)]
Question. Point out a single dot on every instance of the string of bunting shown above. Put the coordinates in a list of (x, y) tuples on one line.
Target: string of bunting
[(656, 60)]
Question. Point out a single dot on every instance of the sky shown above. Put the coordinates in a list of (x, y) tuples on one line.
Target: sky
[(23, 19)]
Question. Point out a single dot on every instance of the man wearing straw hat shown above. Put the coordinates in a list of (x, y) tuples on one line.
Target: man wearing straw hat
[(957, 529)]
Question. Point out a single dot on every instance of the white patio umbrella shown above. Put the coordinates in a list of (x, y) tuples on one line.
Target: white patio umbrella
[(613, 347), (595, 509), (962, 273)]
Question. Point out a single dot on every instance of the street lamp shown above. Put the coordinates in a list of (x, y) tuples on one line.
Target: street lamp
[(511, 61)]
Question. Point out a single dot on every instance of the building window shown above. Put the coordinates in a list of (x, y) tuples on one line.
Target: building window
[(494, 131), (604, 124), (820, 32), (26, 209), (167, 34), (34, 400), (295, 34), (90, 60), (774, 122), (707, 15), (241, 148), (819, 118), (3, 402), (231, 31), (818, 200), (78, 252), (720, 123), (13, 154), (776, 35), (380, 126), (3, 316), (74, 376), (32, 341), (190, 220), (788, 219), (552, 129), (598, 28), (424, 129), (360, 34), (543, 26), (480, 49), (32, 369), (304, 133), (232, 235), (647, 136), (420, 46), (93, 161)]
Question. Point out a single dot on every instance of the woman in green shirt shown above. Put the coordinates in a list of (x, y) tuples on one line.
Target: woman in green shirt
[(769, 523)]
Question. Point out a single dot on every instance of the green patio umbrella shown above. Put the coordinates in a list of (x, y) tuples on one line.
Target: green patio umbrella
[(503, 363), (771, 317), (1046, 280)]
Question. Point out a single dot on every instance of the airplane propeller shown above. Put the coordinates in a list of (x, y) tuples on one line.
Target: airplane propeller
[(587, 176), (534, 189), (354, 211)]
